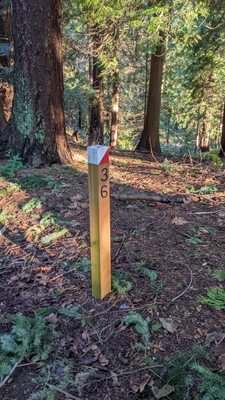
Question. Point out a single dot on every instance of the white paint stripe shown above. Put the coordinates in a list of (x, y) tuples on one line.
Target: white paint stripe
[(96, 153)]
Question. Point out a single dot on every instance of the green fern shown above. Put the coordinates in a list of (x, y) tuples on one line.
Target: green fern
[(10, 188), (219, 275), (156, 286), (121, 282), (140, 325), (33, 181), (5, 217), (216, 298), (54, 236), (211, 385), (11, 167), (32, 204), (29, 338)]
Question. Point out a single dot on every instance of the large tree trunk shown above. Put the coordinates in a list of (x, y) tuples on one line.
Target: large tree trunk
[(6, 89), (222, 143), (150, 135), (97, 111), (38, 123)]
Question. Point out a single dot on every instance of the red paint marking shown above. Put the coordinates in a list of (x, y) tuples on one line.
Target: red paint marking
[(105, 159)]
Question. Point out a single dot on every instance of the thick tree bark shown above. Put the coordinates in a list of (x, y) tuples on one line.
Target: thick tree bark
[(6, 89), (222, 143), (115, 111), (38, 123), (150, 135), (97, 111)]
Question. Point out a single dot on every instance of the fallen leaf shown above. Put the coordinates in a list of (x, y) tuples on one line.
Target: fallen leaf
[(85, 336), (179, 221), (165, 391), (139, 382), (114, 378), (214, 337), (169, 324), (52, 318), (103, 360)]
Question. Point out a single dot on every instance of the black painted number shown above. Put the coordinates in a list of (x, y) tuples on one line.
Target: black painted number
[(104, 192), (105, 175)]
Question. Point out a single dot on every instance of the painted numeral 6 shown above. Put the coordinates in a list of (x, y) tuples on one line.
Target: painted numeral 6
[(104, 192)]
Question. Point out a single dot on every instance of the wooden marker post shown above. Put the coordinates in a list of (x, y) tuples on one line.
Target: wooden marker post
[(99, 205)]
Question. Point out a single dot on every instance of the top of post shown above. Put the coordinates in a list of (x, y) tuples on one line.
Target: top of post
[(98, 154)]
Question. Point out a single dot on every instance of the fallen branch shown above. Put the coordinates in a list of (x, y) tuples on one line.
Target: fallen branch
[(148, 197), (10, 374), (188, 287), (205, 212), (119, 249), (70, 396)]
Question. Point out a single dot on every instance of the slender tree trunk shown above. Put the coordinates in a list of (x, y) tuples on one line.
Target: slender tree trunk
[(97, 111), (6, 89), (150, 135), (38, 123), (115, 92), (223, 133), (204, 136), (115, 111), (80, 117)]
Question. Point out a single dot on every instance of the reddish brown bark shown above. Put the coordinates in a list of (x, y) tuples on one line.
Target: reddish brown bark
[(150, 135), (6, 89), (38, 124)]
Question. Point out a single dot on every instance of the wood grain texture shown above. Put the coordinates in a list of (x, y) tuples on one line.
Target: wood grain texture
[(99, 202)]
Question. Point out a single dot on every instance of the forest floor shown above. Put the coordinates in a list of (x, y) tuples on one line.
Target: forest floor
[(152, 337)]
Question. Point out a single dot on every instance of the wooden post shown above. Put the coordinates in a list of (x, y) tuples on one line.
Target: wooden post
[(99, 205)]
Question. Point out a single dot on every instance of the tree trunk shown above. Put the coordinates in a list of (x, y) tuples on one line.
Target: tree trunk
[(222, 143), (96, 131), (38, 123), (204, 136), (6, 89), (150, 135), (115, 111)]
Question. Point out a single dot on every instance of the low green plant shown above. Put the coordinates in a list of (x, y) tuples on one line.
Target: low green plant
[(166, 166), (8, 189), (219, 274), (215, 298), (195, 241), (83, 265), (5, 217), (211, 385), (29, 338), (140, 325), (152, 275), (47, 220), (57, 375), (189, 377), (121, 282), (203, 190), (32, 205), (213, 156), (54, 235), (9, 170), (33, 181), (70, 312)]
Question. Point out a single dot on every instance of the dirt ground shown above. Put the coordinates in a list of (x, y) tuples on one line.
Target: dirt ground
[(182, 240)]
